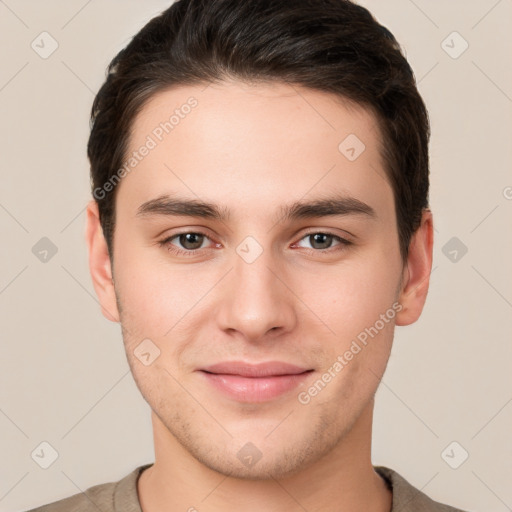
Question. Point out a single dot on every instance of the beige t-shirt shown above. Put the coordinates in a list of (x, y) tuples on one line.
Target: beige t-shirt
[(122, 496)]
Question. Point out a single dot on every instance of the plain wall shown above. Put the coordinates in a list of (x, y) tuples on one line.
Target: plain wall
[(64, 378)]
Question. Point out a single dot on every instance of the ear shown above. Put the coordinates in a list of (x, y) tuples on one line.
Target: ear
[(99, 264), (416, 274)]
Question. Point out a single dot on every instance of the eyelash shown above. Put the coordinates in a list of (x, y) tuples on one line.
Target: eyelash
[(343, 243)]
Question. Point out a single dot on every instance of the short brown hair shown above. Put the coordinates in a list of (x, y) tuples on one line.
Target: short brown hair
[(335, 46)]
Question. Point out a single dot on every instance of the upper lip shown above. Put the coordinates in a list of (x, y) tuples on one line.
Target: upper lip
[(267, 369)]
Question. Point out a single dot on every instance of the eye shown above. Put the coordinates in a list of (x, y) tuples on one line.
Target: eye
[(320, 241), (191, 241), (186, 243)]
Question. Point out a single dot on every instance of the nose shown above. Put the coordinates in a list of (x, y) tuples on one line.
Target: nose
[(256, 303)]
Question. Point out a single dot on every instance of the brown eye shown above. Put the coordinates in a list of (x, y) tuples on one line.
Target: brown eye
[(185, 244), (320, 240), (191, 241)]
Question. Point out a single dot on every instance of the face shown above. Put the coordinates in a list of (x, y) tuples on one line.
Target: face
[(257, 272)]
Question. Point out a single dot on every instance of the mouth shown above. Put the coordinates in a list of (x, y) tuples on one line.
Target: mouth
[(246, 382)]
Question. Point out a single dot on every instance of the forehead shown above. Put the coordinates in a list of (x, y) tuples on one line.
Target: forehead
[(256, 108), (269, 141)]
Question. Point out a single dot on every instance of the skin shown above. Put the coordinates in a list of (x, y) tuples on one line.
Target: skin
[(252, 149)]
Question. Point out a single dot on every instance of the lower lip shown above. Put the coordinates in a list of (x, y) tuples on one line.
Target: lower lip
[(255, 389)]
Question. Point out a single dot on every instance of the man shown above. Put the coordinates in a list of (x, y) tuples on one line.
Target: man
[(259, 226)]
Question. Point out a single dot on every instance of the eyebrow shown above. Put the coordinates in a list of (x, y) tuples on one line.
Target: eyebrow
[(323, 207)]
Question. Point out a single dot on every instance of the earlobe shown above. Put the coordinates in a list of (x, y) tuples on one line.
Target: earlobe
[(99, 263), (416, 275)]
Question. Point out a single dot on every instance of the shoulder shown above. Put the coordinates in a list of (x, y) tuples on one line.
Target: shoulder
[(406, 497), (107, 497)]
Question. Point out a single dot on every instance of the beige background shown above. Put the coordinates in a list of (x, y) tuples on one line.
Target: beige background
[(64, 378)]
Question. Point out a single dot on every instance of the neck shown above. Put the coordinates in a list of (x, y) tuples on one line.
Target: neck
[(344, 479)]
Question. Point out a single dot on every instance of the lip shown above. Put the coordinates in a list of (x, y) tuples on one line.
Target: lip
[(247, 382), (243, 369)]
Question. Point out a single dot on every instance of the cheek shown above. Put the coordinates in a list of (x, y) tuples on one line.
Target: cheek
[(155, 296), (163, 303), (351, 297), (357, 303)]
